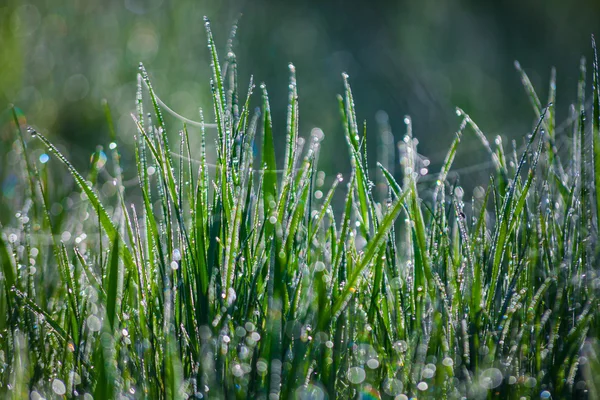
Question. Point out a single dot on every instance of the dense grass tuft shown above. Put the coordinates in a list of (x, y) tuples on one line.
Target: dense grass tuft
[(241, 281)]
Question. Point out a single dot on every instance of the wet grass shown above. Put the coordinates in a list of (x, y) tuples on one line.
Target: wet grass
[(237, 279)]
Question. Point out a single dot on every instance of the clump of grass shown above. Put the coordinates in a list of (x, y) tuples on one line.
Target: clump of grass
[(239, 282)]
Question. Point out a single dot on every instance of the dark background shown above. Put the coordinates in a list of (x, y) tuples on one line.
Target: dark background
[(59, 59)]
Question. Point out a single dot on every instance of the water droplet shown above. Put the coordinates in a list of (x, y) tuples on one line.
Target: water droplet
[(176, 255), (356, 375), (319, 266), (400, 346), (44, 158), (530, 382), (491, 378), (427, 373), (93, 323), (98, 158), (448, 362), (75, 377), (373, 363), (422, 386), (392, 387), (310, 392), (59, 387), (317, 134), (112, 145)]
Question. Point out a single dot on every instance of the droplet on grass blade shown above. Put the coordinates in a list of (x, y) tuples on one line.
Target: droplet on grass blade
[(427, 373), (491, 378), (356, 375), (94, 324), (400, 346), (373, 363), (59, 387), (392, 387), (310, 392), (75, 378), (448, 362)]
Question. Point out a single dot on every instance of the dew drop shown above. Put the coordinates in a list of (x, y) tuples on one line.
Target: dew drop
[(356, 375), (427, 373), (319, 266), (491, 378), (59, 387), (448, 362), (373, 363), (400, 346), (93, 323), (176, 255), (392, 387)]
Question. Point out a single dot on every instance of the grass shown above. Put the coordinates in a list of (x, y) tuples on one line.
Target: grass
[(241, 281)]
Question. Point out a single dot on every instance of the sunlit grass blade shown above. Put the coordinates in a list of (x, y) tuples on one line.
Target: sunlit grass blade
[(268, 164), (114, 285), (370, 252)]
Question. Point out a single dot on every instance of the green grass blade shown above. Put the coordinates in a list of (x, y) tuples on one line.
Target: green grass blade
[(370, 252), (268, 163), (114, 285)]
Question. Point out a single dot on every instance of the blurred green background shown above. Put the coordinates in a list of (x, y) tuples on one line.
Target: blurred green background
[(59, 59)]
